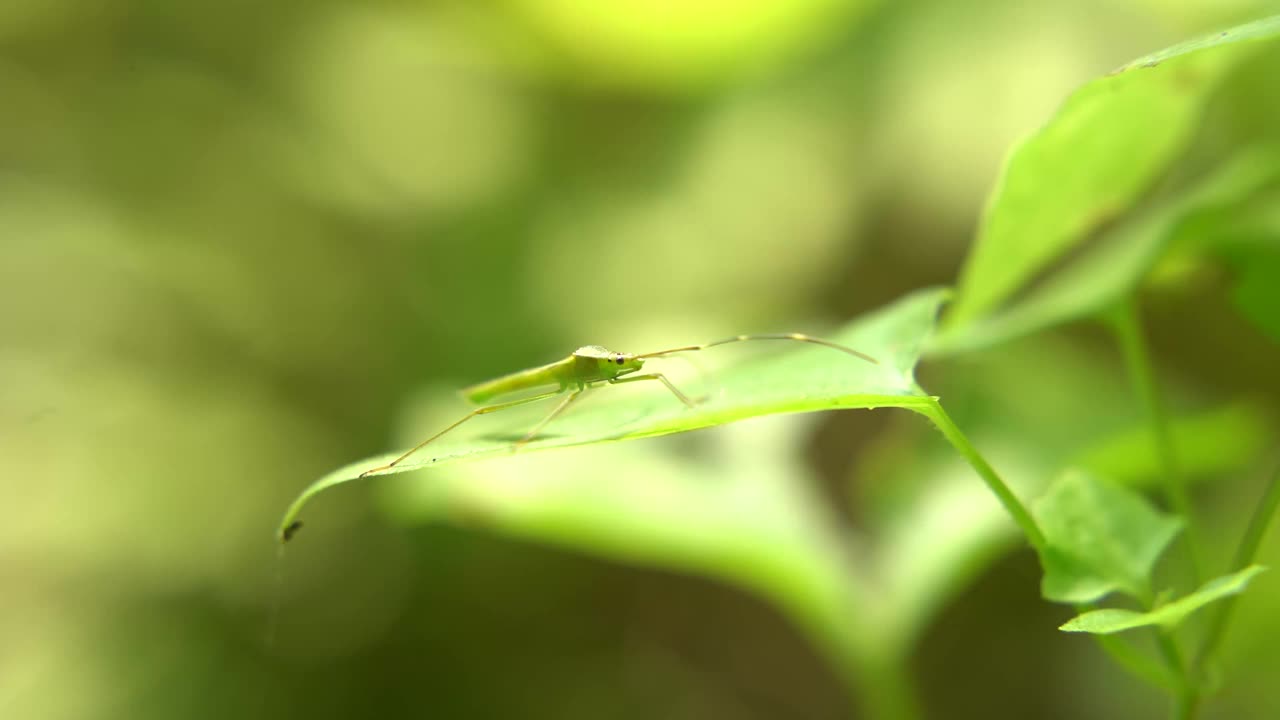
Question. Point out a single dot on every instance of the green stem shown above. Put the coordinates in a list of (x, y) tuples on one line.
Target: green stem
[(1186, 696), (1245, 553), (933, 410), (1186, 699), (1128, 330)]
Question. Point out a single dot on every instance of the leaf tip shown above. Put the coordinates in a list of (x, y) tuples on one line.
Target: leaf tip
[(288, 531), (1251, 572)]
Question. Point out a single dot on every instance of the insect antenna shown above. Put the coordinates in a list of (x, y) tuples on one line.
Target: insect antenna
[(780, 336)]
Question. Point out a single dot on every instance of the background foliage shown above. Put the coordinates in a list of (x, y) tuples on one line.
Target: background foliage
[(241, 245)]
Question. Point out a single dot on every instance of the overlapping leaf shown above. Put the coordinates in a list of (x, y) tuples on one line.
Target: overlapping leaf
[(1092, 161), (1101, 538)]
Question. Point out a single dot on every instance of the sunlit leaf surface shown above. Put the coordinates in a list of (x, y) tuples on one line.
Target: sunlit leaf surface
[(795, 378)]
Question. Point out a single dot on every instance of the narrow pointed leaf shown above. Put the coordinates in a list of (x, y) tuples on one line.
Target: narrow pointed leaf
[(1112, 620)]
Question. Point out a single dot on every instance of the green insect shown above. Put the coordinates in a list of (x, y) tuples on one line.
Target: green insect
[(588, 367)]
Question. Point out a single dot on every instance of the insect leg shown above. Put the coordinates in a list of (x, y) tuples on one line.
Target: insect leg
[(543, 423), (478, 411), (659, 377)]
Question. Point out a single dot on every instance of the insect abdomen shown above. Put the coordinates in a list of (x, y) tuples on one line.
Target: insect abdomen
[(539, 378)]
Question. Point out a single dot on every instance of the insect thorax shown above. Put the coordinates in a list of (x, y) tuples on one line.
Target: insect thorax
[(593, 363)]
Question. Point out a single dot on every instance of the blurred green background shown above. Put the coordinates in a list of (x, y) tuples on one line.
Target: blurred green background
[(238, 242)]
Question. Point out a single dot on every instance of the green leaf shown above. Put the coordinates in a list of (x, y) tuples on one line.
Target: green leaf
[(1113, 267), (1101, 538), (788, 380), (1104, 148), (1112, 620)]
